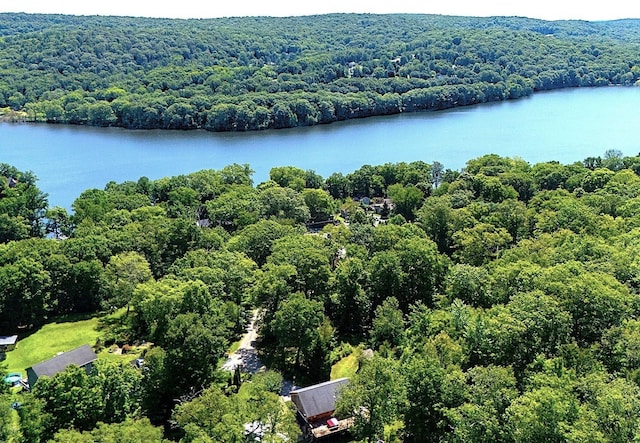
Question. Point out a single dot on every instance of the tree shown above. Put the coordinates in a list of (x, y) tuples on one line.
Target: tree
[(435, 383), (546, 326), (193, 344), (257, 239), (264, 411), (86, 286), (424, 270), (481, 418), (58, 222), (255, 412), (123, 272), (541, 414), (437, 172), (436, 218), (289, 177), (120, 383), (310, 256), (375, 396), (321, 205), (24, 286), (22, 205), (352, 306), (595, 301), (386, 276), (129, 431), (337, 185), (479, 244), (92, 204), (235, 208), (212, 414), (469, 284), (8, 429), (34, 420), (407, 199), (273, 285), (283, 203), (620, 346), (72, 399), (13, 228), (157, 386), (295, 327), (388, 324)]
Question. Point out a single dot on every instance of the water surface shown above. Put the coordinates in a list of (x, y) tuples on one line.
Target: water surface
[(567, 126)]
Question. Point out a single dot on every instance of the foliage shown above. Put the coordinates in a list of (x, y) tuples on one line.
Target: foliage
[(505, 310), (373, 397), (241, 74), (254, 412), (129, 431), (75, 399), (22, 205)]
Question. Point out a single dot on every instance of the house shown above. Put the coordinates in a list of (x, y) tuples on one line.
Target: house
[(82, 356), (8, 342), (316, 407)]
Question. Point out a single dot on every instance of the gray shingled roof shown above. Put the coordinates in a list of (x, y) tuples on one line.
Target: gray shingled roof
[(317, 399), (80, 356)]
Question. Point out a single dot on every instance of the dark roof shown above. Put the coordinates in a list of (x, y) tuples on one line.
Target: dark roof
[(8, 340), (81, 356), (317, 399)]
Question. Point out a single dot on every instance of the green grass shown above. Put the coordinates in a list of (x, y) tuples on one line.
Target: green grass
[(347, 366), (61, 335), (234, 346)]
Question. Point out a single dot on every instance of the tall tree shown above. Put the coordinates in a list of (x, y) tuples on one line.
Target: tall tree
[(295, 327), (123, 272), (375, 396)]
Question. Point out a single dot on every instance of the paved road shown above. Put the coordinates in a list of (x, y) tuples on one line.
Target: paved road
[(246, 356)]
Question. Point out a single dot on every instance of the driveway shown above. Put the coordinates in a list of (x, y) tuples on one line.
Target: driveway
[(246, 356)]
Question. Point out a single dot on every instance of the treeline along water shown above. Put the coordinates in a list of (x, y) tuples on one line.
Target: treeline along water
[(566, 126), (250, 73)]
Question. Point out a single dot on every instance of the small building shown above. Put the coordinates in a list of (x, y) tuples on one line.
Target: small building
[(316, 407), (82, 357), (8, 342)]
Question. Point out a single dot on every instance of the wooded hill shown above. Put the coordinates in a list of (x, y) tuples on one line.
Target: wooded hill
[(257, 72)]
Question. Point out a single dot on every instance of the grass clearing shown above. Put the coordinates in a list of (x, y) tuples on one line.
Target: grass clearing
[(61, 335), (346, 366)]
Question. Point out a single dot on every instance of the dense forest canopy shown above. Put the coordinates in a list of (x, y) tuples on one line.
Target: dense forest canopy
[(237, 74), (501, 301)]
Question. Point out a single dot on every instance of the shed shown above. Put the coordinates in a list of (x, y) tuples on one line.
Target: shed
[(8, 342), (82, 356), (317, 402)]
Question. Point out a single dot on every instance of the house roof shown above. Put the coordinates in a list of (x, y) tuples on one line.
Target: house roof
[(317, 399), (8, 340), (80, 356)]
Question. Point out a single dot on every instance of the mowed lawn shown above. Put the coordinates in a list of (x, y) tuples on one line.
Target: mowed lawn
[(59, 336), (346, 367)]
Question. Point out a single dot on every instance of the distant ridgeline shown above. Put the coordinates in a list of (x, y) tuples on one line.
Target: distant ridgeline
[(240, 74)]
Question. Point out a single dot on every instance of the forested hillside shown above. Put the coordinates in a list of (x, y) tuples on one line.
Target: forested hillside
[(238, 74), (501, 302)]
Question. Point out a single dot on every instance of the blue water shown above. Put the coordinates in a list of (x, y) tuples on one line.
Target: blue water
[(566, 126)]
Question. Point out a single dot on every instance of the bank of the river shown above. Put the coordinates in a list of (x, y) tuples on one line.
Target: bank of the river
[(566, 126)]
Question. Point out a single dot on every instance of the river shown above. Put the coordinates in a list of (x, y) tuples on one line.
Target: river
[(566, 125)]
